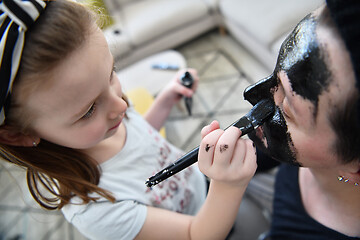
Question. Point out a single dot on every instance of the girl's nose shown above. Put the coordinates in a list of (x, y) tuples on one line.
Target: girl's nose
[(117, 107), (260, 90)]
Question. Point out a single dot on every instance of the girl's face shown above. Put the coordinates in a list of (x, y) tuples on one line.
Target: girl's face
[(83, 103), (312, 78)]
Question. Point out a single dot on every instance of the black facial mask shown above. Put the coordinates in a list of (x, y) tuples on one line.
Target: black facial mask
[(301, 59), (272, 137)]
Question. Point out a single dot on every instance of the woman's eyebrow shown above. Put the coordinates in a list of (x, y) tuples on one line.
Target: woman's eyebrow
[(290, 94), (288, 91)]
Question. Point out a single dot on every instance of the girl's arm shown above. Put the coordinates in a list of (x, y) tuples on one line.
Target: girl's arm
[(171, 94), (230, 162)]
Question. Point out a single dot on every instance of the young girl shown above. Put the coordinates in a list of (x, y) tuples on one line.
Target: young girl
[(87, 152)]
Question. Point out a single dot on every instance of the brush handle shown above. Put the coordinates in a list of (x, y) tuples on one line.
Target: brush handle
[(244, 124), (187, 80), (184, 162), (256, 116)]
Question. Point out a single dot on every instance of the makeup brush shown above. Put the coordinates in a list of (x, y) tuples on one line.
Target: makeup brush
[(255, 117), (187, 80)]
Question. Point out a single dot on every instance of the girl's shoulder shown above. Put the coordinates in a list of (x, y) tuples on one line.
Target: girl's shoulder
[(128, 215)]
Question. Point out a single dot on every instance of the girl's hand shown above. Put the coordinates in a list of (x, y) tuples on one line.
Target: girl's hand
[(225, 157), (174, 90), (171, 94)]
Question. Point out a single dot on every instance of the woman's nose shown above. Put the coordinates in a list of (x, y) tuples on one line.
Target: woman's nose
[(260, 90)]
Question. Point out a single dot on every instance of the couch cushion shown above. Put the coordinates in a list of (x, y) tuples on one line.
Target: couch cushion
[(118, 40), (264, 20), (212, 4), (147, 20)]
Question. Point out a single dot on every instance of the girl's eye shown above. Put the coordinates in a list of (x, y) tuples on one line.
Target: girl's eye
[(113, 73), (90, 112)]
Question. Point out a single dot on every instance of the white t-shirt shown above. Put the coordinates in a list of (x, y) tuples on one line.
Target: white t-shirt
[(145, 153)]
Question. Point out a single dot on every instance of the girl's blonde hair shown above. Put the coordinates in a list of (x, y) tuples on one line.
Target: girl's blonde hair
[(63, 172)]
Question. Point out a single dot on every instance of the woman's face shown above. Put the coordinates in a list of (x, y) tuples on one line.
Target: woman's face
[(310, 81)]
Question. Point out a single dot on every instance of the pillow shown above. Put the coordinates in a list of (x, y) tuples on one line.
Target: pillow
[(142, 100)]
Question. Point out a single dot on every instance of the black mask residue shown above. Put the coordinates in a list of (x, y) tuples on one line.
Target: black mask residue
[(278, 144), (261, 90), (301, 58)]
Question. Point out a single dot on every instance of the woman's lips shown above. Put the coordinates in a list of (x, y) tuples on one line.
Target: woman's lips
[(259, 132), (260, 135)]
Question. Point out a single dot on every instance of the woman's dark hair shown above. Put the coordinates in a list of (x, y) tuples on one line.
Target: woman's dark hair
[(344, 117)]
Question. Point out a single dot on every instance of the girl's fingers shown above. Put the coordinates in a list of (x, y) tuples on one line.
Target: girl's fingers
[(182, 90), (207, 148), (225, 146), (250, 158), (239, 154), (188, 92), (195, 76), (209, 128), (224, 156), (244, 155)]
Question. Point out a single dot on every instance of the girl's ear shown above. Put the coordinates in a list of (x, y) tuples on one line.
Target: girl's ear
[(10, 136)]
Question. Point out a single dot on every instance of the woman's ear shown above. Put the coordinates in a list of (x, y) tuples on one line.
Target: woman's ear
[(10, 136), (352, 174)]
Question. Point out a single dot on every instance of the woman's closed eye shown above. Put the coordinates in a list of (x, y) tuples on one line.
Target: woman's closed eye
[(284, 105), (285, 109), (90, 112)]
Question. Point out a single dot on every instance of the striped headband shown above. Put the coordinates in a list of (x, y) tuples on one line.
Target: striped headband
[(16, 16)]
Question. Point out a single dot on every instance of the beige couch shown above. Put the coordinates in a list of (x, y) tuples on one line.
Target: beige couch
[(145, 27), (262, 25)]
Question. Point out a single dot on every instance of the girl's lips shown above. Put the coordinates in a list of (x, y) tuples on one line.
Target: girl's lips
[(116, 126)]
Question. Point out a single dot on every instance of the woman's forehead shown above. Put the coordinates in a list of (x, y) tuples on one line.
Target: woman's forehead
[(317, 64), (304, 62)]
